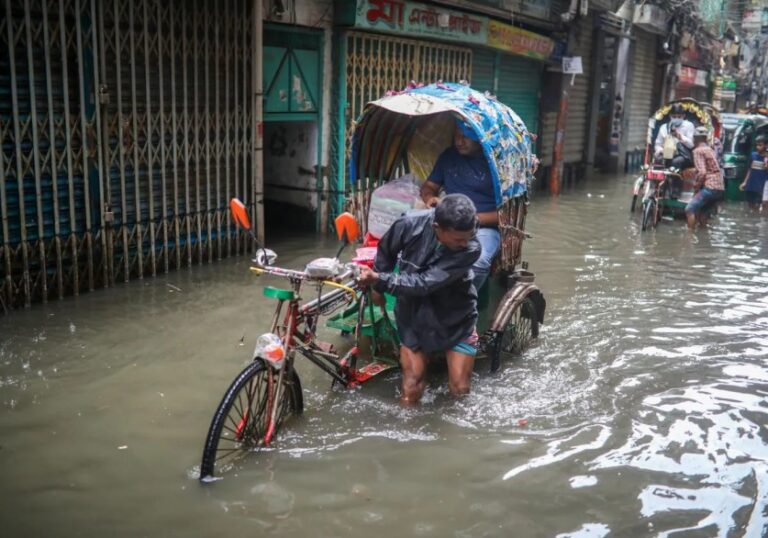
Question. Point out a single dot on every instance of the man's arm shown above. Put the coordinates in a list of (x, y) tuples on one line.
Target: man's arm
[(389, 247), (447, 269), (700, 162)]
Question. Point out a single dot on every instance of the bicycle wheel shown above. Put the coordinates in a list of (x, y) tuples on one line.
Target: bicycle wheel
[(241, 421), (649, 214), (521, 330)]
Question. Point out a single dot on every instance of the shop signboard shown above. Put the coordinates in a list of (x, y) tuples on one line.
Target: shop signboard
[(689, 76), (518, 41), (421, 20)]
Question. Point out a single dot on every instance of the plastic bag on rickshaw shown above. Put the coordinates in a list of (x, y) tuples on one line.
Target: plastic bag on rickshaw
[(389, 202)]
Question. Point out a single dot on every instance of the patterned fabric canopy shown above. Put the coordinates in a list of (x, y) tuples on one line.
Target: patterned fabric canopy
[(506, 142)]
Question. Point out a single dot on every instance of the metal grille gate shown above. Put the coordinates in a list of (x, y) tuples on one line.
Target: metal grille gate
[(126, 127)]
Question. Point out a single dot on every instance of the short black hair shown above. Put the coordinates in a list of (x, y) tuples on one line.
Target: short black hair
[(761, 138), (456, 212), (677, 108)]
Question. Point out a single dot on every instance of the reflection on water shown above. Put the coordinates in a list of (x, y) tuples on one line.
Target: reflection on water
[(641, 411)]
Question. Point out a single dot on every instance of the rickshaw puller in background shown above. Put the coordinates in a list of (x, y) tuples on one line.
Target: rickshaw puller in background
[(709, 180), (463, 169), (436, 306), (755, 183)]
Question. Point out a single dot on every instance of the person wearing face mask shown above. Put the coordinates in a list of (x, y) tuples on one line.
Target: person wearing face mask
[(681, 130), (436, 309)]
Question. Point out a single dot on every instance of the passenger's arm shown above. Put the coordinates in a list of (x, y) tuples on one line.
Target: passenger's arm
[(686, 135), (658, 145), (429, 193), (488, 218)]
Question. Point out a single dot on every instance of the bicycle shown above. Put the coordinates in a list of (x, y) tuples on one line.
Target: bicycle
[(268, 390)]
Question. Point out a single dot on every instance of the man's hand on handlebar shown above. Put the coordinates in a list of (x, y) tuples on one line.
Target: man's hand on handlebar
[(367, 276)]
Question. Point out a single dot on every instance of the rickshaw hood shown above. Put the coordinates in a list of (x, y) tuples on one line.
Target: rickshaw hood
[(506, 143)]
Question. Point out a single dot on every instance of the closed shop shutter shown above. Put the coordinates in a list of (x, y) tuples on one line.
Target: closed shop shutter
[(578, 96), (642, 90), (483, 61), (519, 87)]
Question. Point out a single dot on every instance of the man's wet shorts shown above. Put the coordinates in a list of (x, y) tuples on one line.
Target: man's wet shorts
[(468, 346), (703, 199)]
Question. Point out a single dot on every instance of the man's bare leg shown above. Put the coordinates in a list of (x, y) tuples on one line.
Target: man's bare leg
[(691, 218), (459, 372), (414, 365)]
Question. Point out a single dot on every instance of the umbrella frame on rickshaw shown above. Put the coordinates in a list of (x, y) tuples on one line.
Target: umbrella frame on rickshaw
[(652, 187), (406, 132)]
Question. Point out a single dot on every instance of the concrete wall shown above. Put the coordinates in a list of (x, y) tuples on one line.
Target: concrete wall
[(290, 157)]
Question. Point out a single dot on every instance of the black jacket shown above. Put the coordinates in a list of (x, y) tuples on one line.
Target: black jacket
[(436, 301)]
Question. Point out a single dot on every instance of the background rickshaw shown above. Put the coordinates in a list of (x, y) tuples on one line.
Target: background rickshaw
[(402, 133), (652, 188), (739, 134)]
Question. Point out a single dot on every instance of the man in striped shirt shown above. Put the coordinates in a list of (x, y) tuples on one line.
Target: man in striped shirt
[(709, 180)]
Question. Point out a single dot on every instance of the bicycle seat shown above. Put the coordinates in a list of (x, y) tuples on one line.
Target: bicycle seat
[(323, 268)]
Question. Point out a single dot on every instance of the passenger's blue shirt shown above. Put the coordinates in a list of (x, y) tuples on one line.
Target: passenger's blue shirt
[(757, 174), (471, 176)]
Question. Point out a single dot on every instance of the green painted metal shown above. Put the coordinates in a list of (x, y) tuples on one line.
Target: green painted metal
[(278, 293), (519, 87), (341, 122), (292, 73)]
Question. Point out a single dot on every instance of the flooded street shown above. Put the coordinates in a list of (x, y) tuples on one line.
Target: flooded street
[(645, 402)]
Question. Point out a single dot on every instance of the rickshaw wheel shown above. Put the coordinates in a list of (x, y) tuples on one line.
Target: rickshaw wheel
[(650, 217), (522, 328)]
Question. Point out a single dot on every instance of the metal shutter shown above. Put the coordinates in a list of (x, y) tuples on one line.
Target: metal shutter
[(483, 61), (519, 87), (578, 96), (642, 89)]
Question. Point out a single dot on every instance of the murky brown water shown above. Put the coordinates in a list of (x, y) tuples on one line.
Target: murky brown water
[(645, 400)]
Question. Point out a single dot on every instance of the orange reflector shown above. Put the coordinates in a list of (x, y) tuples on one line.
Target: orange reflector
[(346, 227), (240, 214)]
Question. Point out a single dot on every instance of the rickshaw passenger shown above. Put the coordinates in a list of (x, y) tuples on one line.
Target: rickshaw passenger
[(709, 181), (680, 128), (463, 169), (436, 306)]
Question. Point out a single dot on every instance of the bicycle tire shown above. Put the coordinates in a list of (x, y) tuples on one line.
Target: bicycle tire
[(649, 212), (247, 432)]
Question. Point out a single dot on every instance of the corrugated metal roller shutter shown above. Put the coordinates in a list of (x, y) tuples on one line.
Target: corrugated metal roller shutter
[(482, 69), (519, 86), (578, 96), (642, 89)]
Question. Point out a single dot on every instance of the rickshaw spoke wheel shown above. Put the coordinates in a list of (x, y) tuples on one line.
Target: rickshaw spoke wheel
[(521, 330), (242, 419)]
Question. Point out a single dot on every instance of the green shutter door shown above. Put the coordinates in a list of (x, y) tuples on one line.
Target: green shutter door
[(519, 87), (482, 70)]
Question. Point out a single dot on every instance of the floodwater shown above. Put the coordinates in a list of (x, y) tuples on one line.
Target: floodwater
[(641, 411)]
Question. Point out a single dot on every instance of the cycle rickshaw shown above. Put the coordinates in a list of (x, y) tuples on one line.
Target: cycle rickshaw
[(654, 187), (402, 133)]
